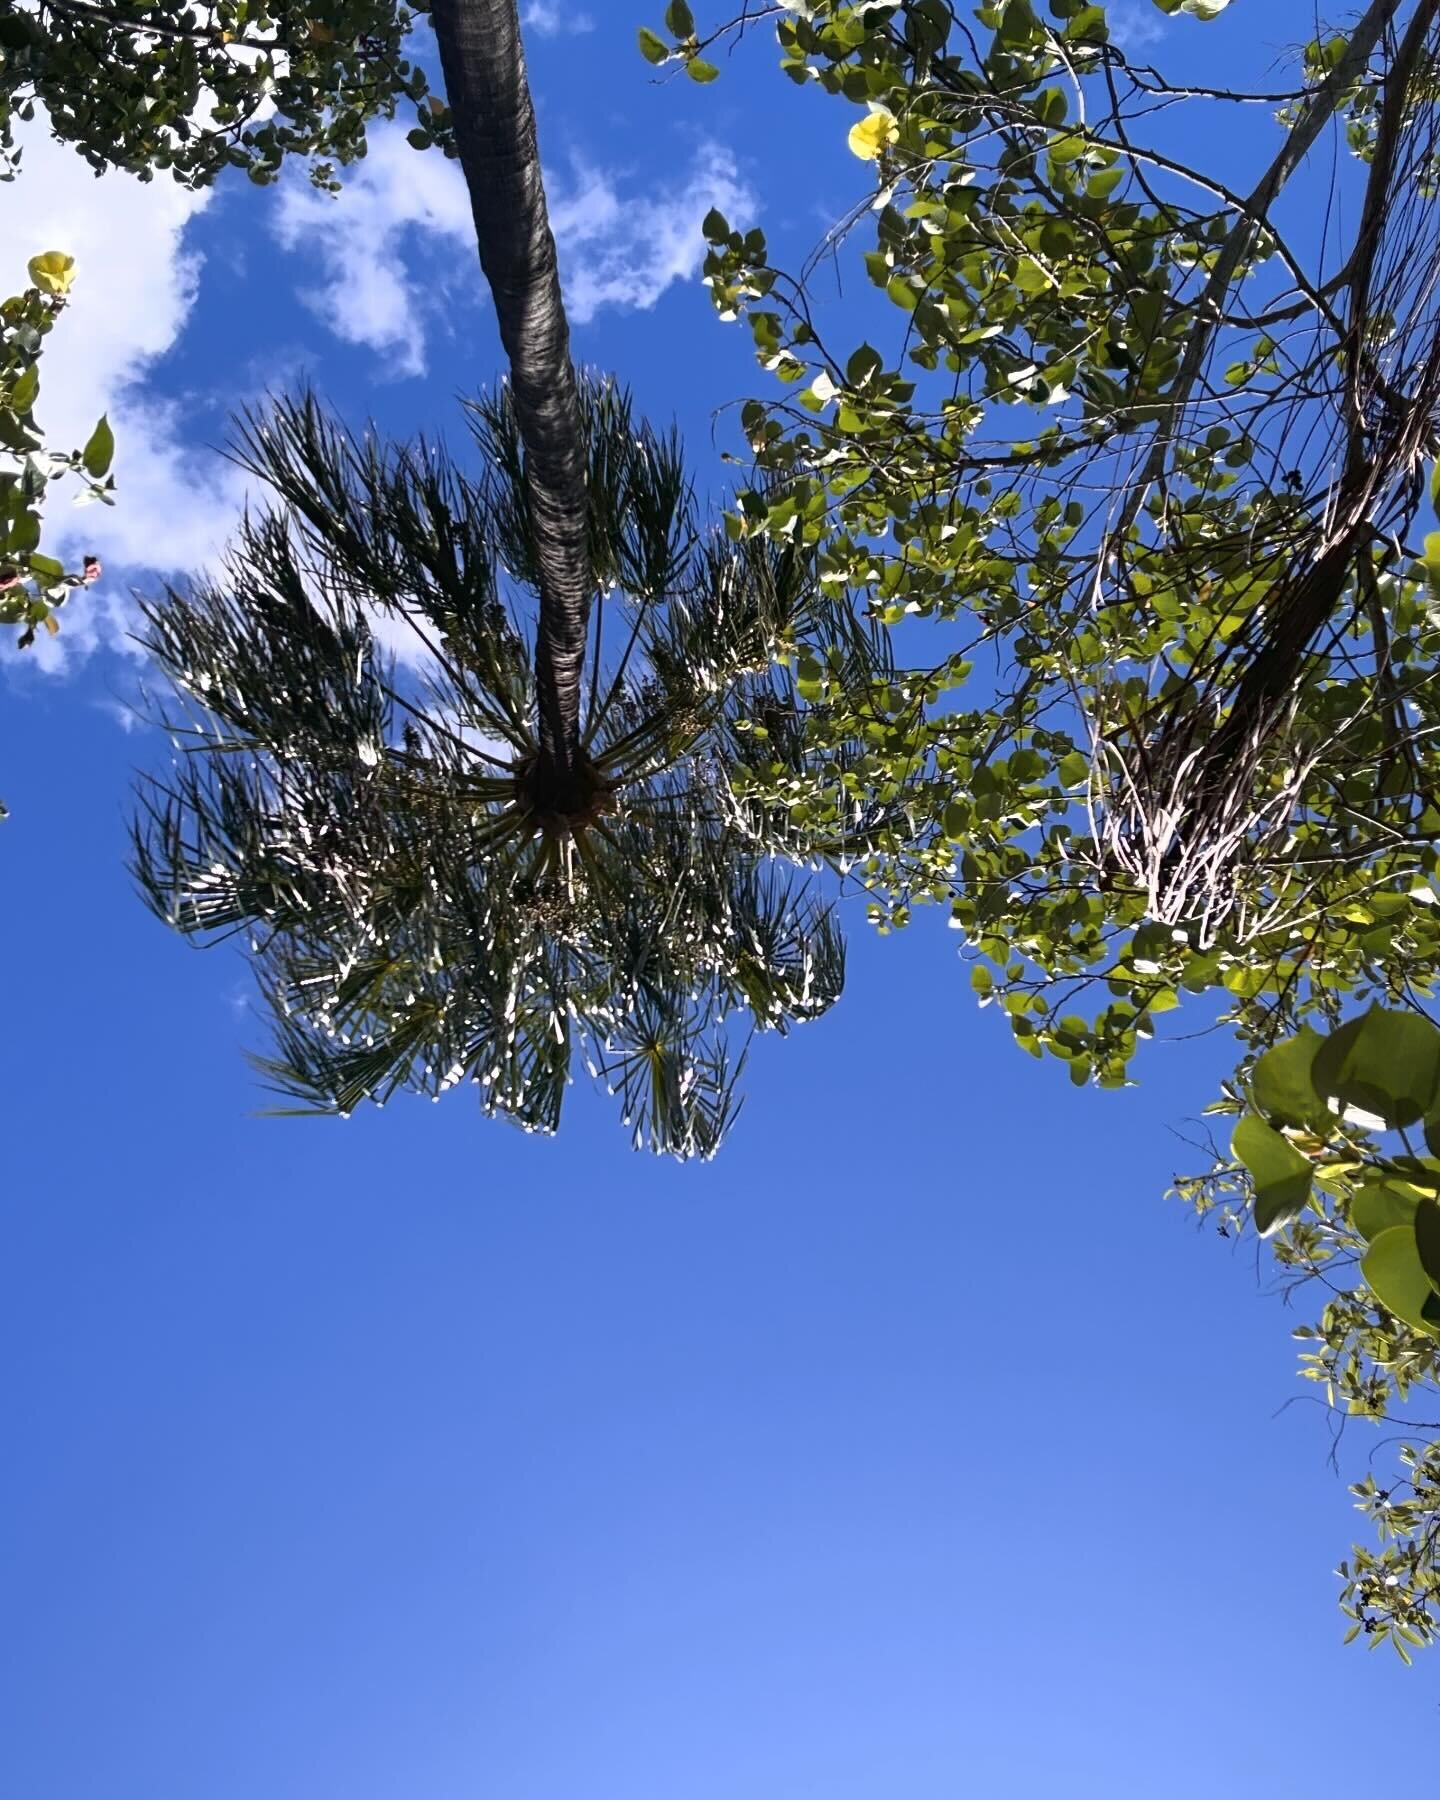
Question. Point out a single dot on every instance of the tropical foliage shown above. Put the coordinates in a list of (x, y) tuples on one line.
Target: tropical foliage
[(150, 85), (33, 585), (1136, 472), (419, 913), (528, 851)]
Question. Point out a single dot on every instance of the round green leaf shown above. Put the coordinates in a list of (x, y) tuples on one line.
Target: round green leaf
[(1280, 1173), (864, 365), (699, 70), (1385, 1063), (24, 533), (653, 48), (1427, 1239), (1378, 1205), (1393, 1269), (1282, 1086)]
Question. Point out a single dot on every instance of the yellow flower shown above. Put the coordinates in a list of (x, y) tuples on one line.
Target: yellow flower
[(53, 271), (870, 135)]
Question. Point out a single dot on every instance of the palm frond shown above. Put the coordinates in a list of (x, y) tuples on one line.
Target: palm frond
[(417, 918)]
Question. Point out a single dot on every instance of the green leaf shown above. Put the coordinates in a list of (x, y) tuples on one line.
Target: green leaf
[(1383, 1063), (901, 292), (1280, 1173), (1074, 768), (1427, 1239), (1377, 1206), (653, 48), (1088, 25), (99, 453), (1017, 24), (699, 70), (419, 138), (1282, 1086), (22, 395), (48, 568), (864, 365), (1396, 1276), (1430, 556), (679, 19)]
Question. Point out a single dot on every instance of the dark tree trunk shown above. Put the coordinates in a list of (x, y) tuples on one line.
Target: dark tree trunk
[(489, 97)]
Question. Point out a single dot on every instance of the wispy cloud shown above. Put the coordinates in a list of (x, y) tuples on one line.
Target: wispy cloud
[(554, 18), (135, 286), (362, 285), (623, 249), (1135, 24), (622, 241)]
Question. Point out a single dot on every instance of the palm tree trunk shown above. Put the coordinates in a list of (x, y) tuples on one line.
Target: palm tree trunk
[(489, 97)]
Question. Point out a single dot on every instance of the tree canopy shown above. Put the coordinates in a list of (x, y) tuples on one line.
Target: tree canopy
[(1137, 474), (418, 915), (149, 85), (160, 85), (468, 876)]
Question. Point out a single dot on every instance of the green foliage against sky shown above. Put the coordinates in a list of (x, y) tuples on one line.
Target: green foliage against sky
[(33, 585), (150, 85), (1137, 472), (147, 85), (419, 917)]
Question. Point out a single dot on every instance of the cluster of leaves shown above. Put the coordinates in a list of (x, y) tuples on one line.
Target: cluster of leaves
[(1146, 480), (33, 586), (417, 919), (162, 84), (1051, 280), (1338, 1154), (684, 47)]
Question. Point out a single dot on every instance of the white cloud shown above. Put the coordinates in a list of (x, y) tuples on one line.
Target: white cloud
[(364, 289), (551, 18), (134, 288), (622, 242), (1135, 24), (624, 249)]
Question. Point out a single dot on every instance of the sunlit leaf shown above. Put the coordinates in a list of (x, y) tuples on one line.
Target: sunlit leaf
[(1281, 1175)]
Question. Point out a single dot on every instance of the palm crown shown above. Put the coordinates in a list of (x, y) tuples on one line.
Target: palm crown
[(427, 900)]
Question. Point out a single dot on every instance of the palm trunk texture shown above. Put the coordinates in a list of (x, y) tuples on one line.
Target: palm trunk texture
[(489, 97)]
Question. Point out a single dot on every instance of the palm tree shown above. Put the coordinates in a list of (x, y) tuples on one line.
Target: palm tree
[(465, 875), (425, 900), (488, 92)]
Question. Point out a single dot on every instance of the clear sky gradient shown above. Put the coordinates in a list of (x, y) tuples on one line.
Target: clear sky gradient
[(914, 1450)]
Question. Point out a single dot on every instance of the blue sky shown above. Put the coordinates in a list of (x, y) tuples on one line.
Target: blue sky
[(916, 1448)]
